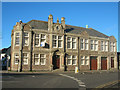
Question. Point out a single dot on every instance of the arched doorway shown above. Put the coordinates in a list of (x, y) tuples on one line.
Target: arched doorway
[(56, 62)]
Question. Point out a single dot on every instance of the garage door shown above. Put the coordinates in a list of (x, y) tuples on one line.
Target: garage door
[(103, 63), (93, 63)]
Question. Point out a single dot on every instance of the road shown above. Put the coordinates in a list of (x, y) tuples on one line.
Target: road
[(45, 80), (58, 80)]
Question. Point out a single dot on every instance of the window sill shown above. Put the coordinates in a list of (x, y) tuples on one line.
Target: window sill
[(74, 64), (17, 45), (26, 45), (25, 64), (60, 47), (37, 46)]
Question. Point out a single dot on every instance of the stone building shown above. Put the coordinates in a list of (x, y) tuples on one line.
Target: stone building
[(40, 45)]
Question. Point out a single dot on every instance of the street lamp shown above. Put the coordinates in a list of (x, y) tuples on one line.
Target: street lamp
[(8, 58)]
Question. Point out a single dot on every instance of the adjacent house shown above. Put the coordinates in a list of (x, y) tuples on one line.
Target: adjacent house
[(5, 55), (118, 58), (45, 45)]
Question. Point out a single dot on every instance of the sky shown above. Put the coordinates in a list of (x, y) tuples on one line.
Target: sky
[(101, 16)]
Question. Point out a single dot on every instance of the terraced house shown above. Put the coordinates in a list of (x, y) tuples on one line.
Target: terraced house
[(40, 45)]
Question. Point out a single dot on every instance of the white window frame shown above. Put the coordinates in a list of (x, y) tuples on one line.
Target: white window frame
[(91, 45), (43, 58), (96, 45), (87, 60), (114, 47), (71, 58), (111, 46), (57, 41), (86, 44), (75, 59), (43, 38), (106, 45), (40, 39), (37, 58), (82, 44), (27, 39), (26, 57), (102, 46), (16, 57), (74, 41), (84, 59), (60, 40), (17, 37), (69, 41)]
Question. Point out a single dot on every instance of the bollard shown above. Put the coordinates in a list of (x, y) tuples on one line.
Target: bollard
[(76, 69)]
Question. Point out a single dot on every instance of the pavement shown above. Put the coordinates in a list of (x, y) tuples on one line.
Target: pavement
[(59, 71)]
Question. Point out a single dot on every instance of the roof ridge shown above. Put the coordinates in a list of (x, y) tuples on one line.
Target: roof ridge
[(75, 26), (37, 21)]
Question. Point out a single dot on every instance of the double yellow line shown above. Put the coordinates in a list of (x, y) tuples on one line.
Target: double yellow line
[(107, 84)]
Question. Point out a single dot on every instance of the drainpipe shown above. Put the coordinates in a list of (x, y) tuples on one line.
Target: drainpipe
[(20, 48), (78, 54)]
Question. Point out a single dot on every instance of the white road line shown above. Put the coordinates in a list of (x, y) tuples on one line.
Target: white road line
[(80, 83)]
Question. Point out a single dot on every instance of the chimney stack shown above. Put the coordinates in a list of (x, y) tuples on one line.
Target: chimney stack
[(86, 26), (63, 22), (20, 21)]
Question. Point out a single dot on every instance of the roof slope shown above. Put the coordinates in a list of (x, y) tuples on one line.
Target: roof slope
[(37, 24), (79, 30)]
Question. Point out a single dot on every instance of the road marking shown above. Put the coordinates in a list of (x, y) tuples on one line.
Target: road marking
[(80, 83), (33, 76), (107, 84)]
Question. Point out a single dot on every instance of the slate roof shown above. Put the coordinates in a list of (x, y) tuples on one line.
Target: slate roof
[(79, 30), (37, 24), (6, 50)]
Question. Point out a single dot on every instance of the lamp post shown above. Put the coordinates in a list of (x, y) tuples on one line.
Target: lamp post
[(8, 58)]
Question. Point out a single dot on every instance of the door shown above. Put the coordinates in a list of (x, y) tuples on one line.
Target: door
[(112, 62), (103, 63), (56, 62), (93, 63)]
